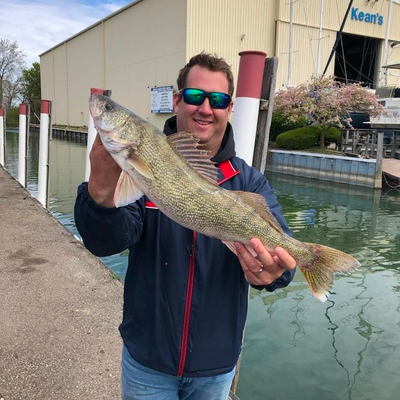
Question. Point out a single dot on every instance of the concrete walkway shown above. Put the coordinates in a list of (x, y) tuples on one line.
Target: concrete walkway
[(59, 308)]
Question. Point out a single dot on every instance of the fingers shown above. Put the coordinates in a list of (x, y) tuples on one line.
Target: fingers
[(285, 259), (263, 268)]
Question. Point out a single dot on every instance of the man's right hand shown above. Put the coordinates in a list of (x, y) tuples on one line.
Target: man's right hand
[(104, 174)]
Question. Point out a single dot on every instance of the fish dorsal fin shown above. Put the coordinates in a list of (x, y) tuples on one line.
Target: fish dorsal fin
[(187, 146), (259, 203)]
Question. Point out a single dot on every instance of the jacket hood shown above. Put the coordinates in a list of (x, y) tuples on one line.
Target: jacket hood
[(227, 149)]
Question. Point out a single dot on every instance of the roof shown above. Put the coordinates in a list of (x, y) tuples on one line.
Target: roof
[(92, 26)]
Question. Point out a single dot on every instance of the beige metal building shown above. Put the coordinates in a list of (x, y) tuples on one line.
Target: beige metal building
[(143, 46)]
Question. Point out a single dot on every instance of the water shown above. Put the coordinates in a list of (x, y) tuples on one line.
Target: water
[(296, 347)]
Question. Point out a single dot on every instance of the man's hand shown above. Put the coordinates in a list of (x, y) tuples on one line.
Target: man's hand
[(104, 174), (265, 268)]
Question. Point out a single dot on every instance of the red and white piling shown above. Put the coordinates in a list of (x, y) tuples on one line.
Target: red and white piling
[(247, 102), (91, 135), (44, 151), (22, 144), (2, 141)]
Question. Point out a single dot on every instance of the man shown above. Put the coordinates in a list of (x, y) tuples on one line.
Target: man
[(186, 295)]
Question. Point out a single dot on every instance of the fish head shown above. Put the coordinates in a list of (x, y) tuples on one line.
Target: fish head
[(116, 125)]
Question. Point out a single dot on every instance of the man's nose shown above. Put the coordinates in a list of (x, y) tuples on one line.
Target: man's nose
[(205, 107)]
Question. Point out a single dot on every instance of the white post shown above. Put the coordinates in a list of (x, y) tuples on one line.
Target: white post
[(2, 141), (289, 73), (44, 140), (383, 71), (23, 117), (320, 39), (247, 102), (91, 136)]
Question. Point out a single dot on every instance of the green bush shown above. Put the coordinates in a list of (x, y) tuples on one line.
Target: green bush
[(332, 135), (12, 117), (280, 124), (306, 137)]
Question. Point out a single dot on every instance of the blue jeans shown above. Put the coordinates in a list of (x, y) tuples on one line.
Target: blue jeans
[(140, 382)]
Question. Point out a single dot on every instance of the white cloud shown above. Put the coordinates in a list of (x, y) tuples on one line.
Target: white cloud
[(38, 25)]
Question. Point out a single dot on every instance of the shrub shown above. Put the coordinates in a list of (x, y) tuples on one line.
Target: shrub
[(12, 117), (306, 137), (301, 138), (280, 123), (332, 135)]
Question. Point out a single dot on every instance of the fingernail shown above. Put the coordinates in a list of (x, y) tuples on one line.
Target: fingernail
[(278, 251), (254, 243)]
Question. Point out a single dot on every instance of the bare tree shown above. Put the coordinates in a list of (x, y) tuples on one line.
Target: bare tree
[(12, 61), (12, 91)]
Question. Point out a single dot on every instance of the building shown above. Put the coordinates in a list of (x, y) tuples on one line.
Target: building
[(143, 45)]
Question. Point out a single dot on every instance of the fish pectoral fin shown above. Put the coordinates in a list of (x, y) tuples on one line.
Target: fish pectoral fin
[(259, 203), (188, 147), (140, 166), (126, 191), (232, 248)]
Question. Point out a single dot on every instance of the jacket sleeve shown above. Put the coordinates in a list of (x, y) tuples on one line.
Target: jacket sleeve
[(107, 231), (259, 184)]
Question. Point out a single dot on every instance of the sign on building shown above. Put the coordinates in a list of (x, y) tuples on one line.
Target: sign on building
[(161, 99)]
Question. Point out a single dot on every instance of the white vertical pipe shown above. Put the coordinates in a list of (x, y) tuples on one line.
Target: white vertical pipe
[(289, 73), (383, 71), (2, 141), (44, 151), (247, 102), (321, 16), (91, 136), (23, 116)]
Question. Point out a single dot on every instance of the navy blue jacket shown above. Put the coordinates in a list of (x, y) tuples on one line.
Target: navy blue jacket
[(185, 296)]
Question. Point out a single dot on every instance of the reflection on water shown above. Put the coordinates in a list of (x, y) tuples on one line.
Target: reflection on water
[(296, 347), (348, 347)]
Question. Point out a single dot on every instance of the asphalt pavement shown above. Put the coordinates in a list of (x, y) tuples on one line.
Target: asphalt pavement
[(60, 308)]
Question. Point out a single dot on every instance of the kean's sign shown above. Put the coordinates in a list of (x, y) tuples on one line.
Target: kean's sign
[(369, 18), (161, 99)]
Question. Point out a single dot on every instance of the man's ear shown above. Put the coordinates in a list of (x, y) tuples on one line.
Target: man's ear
[(176, 100)]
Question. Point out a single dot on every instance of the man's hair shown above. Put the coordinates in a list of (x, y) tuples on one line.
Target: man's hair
[(210, 62)]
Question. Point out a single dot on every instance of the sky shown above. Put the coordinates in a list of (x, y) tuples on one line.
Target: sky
[(38, 25)]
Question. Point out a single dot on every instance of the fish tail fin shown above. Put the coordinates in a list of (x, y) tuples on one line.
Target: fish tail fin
[(319, 271)]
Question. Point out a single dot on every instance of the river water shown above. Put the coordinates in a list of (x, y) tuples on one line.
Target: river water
[(296, 347)]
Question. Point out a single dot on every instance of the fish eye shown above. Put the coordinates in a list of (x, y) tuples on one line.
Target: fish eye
[(108, 106)]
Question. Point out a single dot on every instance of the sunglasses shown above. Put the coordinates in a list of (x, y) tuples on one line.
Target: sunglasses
[(196, 97)]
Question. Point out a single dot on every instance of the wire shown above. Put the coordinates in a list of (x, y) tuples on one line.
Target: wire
[(308, 33), (368, 78)]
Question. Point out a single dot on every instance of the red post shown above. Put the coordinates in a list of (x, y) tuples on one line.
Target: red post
[(23, 109), (45, 106)]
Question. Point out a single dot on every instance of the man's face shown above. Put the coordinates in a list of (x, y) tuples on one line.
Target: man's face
[(204, 122)]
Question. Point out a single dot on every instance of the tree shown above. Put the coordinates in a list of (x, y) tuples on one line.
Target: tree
[(31, 87), (327, 102), (12, 60)]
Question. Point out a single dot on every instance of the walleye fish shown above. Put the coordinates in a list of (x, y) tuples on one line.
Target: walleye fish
[(179, 178)]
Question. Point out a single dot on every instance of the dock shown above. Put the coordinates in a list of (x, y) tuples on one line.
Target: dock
[(60, 308), (391, 171)]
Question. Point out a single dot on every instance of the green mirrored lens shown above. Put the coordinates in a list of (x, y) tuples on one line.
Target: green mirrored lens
[(194, 97), (219, 100)]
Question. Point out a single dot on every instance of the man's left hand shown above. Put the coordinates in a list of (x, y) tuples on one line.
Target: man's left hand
[(264, 268)]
